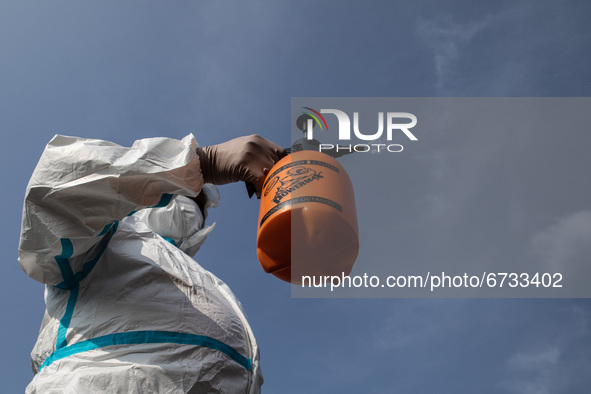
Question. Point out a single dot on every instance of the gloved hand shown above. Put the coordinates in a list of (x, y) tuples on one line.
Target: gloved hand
[(246, 159)]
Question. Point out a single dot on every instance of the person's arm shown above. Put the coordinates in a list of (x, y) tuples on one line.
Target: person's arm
[(81, 188)]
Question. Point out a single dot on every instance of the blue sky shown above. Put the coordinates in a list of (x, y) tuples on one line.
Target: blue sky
[(220, 69)]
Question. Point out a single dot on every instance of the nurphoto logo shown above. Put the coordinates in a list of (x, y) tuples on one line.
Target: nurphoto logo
[(396, 123)]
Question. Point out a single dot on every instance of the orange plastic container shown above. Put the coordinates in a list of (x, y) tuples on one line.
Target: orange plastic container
[(307, 219)]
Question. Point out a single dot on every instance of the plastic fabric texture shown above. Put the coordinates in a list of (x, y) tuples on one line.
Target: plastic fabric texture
[(127, 310)]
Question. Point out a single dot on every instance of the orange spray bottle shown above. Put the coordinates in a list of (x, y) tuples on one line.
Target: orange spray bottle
[(307, 220)]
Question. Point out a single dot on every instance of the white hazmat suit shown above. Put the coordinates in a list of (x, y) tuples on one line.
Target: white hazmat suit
[(109, 231)]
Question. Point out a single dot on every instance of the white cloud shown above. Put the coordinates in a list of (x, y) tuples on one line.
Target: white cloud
[(534, 360), (551, 364), (562, 244), (537, 371), (418, 322), (447, 38)]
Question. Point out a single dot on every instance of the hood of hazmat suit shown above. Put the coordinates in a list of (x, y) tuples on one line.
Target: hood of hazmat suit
[(111, 232)]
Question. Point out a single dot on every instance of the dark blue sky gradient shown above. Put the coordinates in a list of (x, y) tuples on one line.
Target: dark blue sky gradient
[(220, 69)]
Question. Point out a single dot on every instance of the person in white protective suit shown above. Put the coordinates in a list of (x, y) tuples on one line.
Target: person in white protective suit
[(110, 231)]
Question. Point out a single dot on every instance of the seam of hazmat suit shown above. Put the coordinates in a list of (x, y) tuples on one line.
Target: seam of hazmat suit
[(65, 205)]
